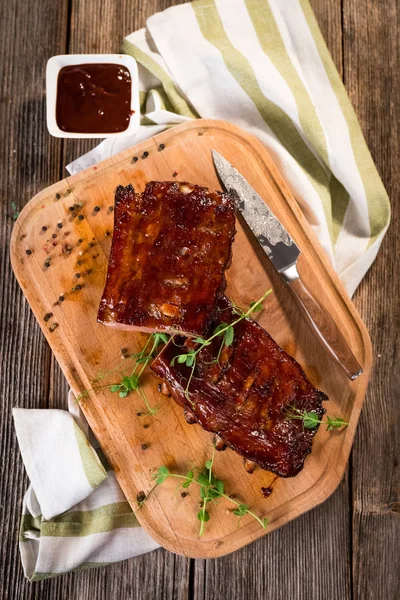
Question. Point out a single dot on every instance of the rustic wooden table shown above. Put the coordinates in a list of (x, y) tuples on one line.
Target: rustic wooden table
[(347, 548)]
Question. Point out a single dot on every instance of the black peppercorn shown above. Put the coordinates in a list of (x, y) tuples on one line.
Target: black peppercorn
[(58, 196), (77, 275), (141, 497), (47, 316), (144, 446), (145, 154), (44, 228), (134, 159), (161, 147), (54, 236), (79, 241), (81, 217), (61, 298), (28, 252), (96, 208), (59, 225)]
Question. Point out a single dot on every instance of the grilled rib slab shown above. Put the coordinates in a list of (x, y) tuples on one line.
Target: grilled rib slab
[(246, 395), (171, 246)]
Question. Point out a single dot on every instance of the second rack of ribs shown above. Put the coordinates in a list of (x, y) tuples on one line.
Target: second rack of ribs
[(245, 395)]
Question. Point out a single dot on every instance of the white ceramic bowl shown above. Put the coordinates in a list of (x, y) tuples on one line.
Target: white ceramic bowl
[(56, 63)]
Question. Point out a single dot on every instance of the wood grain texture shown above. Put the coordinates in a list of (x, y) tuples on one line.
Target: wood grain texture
[(311, 558), (84, 348), (371, 47), (29, 159)]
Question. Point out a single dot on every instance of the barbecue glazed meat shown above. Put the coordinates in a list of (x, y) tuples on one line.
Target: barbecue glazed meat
[(170, 248), (245, 397)]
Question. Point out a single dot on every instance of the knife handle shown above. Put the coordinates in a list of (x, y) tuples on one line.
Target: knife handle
[(324, 326)]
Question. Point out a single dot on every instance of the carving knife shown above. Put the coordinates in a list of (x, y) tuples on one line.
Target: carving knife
[(284, 253)]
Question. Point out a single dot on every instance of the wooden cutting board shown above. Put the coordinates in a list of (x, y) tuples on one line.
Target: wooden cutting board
[(52, 243)]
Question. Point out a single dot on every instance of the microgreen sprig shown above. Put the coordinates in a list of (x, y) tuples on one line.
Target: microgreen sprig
[(311, 420), (211, 490), (224, 330), (131, 383)]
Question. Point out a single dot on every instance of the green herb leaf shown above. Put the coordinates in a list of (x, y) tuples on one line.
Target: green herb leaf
[(208, 464), (123, 393), (220, 327), (214, 493), (229, 335), (335, 423), (202, 478), (220, 486), (241, 510), (162, 474), (181, 358), (256, 306), (189, 479), (203, 515), (163, 337), (265, 522), (200, 340), (115, 388), (190, 359), (310, 420), (142, 359), (126, 381)]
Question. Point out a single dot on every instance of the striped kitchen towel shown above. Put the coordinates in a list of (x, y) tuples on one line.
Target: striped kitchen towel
[(263, 65), (74, 514)]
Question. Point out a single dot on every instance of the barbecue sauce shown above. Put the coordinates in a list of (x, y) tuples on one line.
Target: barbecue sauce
[(93, 98)]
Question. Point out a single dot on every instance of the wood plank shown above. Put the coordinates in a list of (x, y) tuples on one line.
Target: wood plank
[(29, 160), (283, 564), (159, 574), (371, 52)]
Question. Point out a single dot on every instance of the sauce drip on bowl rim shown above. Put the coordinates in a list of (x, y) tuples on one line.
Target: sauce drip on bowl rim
[(94, 98)]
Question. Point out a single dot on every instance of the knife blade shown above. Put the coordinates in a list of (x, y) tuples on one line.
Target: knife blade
[(283, 252)]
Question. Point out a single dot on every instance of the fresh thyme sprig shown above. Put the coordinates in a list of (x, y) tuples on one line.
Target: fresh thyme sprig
[(224, 330), (131, 383), (211, 490), (310, 419)]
